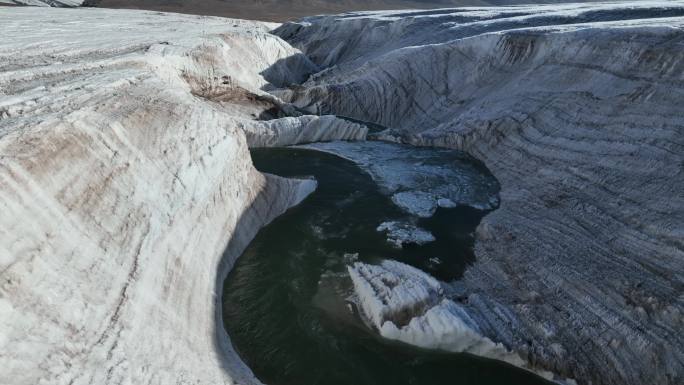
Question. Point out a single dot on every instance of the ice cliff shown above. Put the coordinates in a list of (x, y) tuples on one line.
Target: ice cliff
[(576, 110)]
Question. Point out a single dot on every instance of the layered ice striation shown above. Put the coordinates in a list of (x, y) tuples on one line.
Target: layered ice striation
[(419, 180), (408, 305)]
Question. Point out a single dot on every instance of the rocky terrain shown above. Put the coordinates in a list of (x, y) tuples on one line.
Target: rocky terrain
[(575, 109)]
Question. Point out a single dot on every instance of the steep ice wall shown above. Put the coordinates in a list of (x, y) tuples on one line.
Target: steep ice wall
[(122, 181), (576, 109)]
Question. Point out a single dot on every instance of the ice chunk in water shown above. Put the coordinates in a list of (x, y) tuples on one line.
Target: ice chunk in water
[(393, 292), (408, 305), (401, 233), (417, 203), (420, 179)]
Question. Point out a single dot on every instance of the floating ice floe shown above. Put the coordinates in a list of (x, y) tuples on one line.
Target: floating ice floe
[(401, 233), (418, 203), (419, 180)]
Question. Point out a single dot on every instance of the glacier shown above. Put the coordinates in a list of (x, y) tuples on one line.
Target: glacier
[(574, 108)]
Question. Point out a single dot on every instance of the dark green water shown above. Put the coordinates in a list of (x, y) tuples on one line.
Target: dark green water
[(285, 305)]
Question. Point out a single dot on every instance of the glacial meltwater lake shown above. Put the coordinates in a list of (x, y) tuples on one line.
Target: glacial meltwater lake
[(286, 302)]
